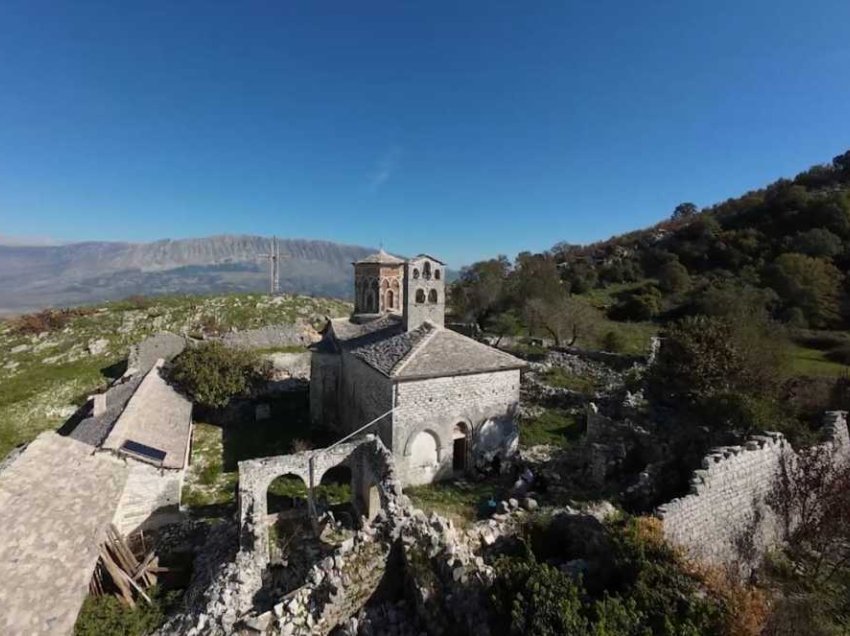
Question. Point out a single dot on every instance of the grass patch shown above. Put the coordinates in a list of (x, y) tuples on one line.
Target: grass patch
[(808, 361), (634, 337), (559, 377), (460, 500), (555, 427)]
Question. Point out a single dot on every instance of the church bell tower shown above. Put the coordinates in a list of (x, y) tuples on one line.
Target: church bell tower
[(424, 291)]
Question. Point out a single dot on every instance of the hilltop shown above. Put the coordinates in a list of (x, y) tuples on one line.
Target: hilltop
[(37, 276), (50, 362)]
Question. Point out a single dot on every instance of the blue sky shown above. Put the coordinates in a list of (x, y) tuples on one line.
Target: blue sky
[(463, 129)]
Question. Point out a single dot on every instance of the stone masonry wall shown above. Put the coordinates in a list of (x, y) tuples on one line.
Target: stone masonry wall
[(151, 497), (364, 394), (726, 520), (324, 387), (484, 402)]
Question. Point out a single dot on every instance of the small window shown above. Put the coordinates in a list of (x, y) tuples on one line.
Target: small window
[(437, 274), (420, 296), (432, 296), (415, 273), (426, 270)]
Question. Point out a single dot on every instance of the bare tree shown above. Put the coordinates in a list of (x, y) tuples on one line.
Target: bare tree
[(812, 495), (565, 319)]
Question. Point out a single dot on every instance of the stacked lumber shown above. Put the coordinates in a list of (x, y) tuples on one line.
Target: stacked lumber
[(126, 568)]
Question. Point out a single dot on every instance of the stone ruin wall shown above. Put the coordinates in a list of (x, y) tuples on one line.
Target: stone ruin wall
[(337, 587), (726, 520)]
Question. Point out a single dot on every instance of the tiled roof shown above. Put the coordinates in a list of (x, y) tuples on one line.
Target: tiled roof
[(447, 352), (380, 258), (85, 427), (156, 416), (385, 353), (426, 351)]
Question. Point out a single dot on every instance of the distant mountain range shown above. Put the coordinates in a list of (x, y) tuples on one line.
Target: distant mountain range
[(37, 276)]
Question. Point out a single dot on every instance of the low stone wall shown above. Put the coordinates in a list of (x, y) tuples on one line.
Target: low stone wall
[(300, 334), (726, 519)]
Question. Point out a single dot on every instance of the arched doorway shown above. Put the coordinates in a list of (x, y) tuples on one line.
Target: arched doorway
[(423, 458), (460, 447)]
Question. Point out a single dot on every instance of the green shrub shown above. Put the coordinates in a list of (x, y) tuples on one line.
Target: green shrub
[(614, 342), (645, 588), (212, 374), (107, 615), (638, 305)]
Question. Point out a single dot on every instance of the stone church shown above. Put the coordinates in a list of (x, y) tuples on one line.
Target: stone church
[(444, 403)]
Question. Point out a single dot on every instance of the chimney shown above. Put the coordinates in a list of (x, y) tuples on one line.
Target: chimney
[(98, 404)]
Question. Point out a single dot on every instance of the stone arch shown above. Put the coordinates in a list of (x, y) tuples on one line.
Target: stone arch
[(335, 486), (432, 296), (420, 296), (287, 491), (415, 434)]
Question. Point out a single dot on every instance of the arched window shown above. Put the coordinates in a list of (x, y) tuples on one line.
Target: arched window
[(415, 273), (426, 270), (420, 296), (390, 299), (432, 296), (437, 274), (373, 305)]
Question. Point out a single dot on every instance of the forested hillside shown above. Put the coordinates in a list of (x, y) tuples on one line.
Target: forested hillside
[(751, 294), (785, 248)]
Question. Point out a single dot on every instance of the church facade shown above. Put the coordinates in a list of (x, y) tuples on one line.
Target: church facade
[(443, 402)]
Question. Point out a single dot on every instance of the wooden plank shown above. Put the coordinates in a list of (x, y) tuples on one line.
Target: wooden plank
[(115, 572)]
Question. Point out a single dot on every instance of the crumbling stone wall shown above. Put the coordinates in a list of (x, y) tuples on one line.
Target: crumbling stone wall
[(726, 519), (434, 556), (300, 334), (370, 470)]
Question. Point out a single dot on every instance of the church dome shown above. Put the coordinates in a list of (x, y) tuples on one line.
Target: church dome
[(380, 258)]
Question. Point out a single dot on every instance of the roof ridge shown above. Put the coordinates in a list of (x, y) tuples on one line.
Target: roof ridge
[(399, 366)]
